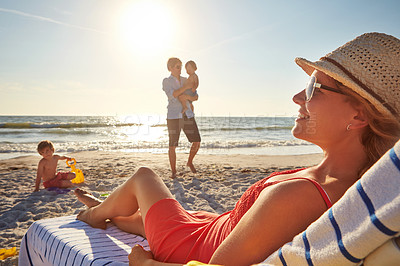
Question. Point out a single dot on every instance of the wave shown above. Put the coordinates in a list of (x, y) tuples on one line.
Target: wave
[(54, 132), (268, 128), (28, 125), (205, 128), (104, 125), (148, 145)]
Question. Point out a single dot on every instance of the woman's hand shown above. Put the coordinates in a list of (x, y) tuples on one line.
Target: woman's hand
[(139, 256)]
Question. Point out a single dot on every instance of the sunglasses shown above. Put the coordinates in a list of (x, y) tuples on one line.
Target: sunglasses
[(313, 85)]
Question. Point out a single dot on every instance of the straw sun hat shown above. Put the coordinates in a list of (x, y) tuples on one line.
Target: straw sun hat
[(369, 65)]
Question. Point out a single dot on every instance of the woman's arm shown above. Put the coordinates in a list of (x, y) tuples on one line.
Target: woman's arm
[(281, 212), (141, 257)]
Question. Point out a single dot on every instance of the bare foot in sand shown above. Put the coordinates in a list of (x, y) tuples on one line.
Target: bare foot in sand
[(87, 198), (86, 216), (173, 175), (191, 166)]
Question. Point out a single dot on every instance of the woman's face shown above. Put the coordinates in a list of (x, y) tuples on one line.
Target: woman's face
[(324, 119)]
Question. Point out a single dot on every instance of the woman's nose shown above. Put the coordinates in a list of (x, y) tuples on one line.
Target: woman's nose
[(300, 97)]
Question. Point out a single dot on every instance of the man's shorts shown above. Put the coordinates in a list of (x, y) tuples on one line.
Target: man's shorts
[(188, 125), (55, 182)]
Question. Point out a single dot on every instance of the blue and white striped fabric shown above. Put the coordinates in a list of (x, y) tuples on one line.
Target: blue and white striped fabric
[(67, 241), (365, 217)]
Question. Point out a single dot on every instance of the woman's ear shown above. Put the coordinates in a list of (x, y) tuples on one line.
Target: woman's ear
[(360, 120)]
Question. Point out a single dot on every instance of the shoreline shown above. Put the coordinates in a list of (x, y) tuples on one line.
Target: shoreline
[(218, 184), (250, 160), (256, 151)]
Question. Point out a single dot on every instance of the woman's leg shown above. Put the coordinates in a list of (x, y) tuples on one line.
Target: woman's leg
[(132, 224), (87, 198), (142, 190)]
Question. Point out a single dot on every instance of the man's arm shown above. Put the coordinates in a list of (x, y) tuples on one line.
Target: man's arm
[(168, 89), (187, 85), (179, 91)]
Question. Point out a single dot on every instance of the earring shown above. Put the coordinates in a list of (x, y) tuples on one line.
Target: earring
[(348, 127)]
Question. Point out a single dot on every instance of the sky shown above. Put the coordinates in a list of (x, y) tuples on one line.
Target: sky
[(102, 57)]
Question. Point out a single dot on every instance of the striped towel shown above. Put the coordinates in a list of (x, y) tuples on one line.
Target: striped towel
[(367, 216), (67, 241)]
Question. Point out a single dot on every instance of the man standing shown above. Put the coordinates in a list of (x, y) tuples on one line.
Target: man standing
[(176, 120)]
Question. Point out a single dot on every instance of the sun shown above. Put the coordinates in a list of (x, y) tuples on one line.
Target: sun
[(146, 27)]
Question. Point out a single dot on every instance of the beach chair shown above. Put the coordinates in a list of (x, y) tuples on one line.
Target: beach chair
[(67, 241), (364, 221)]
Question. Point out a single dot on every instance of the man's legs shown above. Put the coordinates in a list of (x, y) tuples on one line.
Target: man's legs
[(174, 130), (193, 151), (192, 133), (172, 160)]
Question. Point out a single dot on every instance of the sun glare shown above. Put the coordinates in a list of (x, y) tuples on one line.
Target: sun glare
[(146, 27)]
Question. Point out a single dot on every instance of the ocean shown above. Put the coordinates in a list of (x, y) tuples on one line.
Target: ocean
[(19, 135)]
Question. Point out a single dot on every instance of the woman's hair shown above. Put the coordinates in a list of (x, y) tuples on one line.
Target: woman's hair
[(382, 132), (172, 62), (44, 144), (192, 64)]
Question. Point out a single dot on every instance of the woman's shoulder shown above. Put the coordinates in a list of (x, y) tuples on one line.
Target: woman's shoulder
[(285, 174), (298, 193)]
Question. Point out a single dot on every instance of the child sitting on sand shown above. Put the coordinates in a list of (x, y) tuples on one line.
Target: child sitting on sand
[(191, 84), (47, 168)]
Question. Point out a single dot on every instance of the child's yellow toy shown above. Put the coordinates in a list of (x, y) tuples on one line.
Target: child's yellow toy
[(5, 253), (79, 178)]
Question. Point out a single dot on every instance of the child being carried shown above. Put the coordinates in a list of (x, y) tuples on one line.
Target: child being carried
[(191, 85)]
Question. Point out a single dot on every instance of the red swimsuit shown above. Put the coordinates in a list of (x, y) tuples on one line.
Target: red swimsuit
[(175, 235)]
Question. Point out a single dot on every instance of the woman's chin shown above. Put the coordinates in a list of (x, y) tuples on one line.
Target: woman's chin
[(298, 131)]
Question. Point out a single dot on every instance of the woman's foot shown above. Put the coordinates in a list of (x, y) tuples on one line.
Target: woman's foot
[(87, 198), (87, 217)]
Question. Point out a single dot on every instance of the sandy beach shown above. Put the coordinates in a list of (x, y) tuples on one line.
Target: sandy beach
[(219, 182)]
